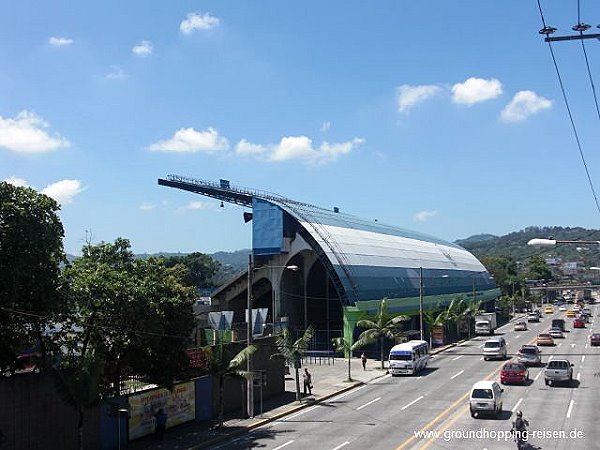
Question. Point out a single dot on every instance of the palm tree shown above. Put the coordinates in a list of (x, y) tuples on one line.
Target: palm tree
[(222, 363), (78, 383), (382, 326), (341, 344), (473, 310), (434, 318), (291, 351)]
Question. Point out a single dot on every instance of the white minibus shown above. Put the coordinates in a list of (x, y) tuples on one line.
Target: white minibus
[(409, 357)]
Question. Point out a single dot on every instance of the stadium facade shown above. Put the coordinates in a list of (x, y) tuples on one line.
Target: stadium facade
[(346, 265)]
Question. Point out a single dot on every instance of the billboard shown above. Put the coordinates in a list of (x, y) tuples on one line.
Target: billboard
[(179, 405)]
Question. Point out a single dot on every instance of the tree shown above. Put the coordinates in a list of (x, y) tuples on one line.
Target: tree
[(222, 363), (78, 384), (537, 269), (201, 269), (341, 344), (292, 350), (382, 326), (31, 252), (504, 271), (129, 314), (434, 318)]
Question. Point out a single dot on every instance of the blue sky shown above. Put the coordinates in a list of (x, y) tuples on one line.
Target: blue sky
[(443, 117)]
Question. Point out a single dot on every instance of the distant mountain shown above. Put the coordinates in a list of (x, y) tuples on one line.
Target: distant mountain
[(515, 245)]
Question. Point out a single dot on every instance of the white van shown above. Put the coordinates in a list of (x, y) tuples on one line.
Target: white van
[(408, 358), (486, 397)]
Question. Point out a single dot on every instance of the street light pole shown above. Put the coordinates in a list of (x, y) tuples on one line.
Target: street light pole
[(421, 301), (551, 242), (250, 382)]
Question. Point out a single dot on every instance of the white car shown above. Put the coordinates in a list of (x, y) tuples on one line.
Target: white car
[(486, 397), (562, 308), (556, 333), (521, 326)]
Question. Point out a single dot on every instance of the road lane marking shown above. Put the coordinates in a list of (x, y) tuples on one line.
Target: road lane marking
[(538, 375), (583, 358), (517, 405), (573, 345), (284, 445), (570, 409), (419, 377), (389, 375), (578, 376), (341, 445), (481, 346), (411, 403), (346, 393), (458, 357), (560, 343), (455, 375), (585, 346), (301, 412), (368, 403), (481, 359)]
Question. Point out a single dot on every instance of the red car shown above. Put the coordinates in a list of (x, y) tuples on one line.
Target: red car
[(514, 372), (578, 323), (595, 339)]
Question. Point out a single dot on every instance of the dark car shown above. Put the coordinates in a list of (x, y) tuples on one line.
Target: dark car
[(26, 363), (513, 372), (595, 339)]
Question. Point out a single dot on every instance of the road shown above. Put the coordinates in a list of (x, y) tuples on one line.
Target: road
[(389, 412)]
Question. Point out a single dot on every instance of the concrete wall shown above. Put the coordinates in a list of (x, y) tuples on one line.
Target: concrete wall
[(33, 416)]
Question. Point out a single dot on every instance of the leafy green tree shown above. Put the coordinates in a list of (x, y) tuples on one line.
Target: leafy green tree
[(381, 326), (292, 350), (344, 345), (537, 269), (130, 314), (31, 252), (223, 363), (201, 269), (434, 317), (504, 271)]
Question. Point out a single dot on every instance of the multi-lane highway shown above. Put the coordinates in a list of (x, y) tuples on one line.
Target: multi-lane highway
[(431, 410)]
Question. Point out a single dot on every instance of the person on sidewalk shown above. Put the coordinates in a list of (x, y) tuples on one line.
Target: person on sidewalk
[(307, 381), (160, 423), (363, 359)]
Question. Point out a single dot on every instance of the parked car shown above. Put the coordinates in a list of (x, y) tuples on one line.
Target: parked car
[(521, 325), (26, 363), (486, 397), (495, 348), (556, 333), (514, 372), (578, 323), (558, 370), (530, 355), (595, 339), (544, 339)]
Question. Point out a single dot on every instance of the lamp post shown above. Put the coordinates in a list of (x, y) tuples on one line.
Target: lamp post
[(249, 335), (552, 242), (421, 301), (119, 412)]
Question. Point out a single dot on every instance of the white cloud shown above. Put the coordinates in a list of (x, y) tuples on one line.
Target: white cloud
[(424, 216), (15, 181), (143, 49), (198, 21), (188, 140), (475, 90), (64, 191), (248, 148), (326, 126), (300, 147), (58, 41), (147, 206), (25, 134), (195, 205), (409, 96), (116, 73), (523, 105)]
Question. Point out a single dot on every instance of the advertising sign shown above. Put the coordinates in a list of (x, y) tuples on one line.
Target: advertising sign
[(179, 406)]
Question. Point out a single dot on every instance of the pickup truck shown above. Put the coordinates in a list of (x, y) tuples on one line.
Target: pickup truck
[(558, 370)]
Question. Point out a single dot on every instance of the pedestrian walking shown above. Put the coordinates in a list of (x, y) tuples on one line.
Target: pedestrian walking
[(307, 381), (160, 423), (363, 359)]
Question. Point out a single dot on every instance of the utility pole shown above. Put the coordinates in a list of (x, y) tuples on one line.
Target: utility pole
[(421, 301), (250, 382)]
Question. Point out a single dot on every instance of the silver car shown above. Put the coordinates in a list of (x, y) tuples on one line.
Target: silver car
[(521, 326), (530, 355), (556, 333)]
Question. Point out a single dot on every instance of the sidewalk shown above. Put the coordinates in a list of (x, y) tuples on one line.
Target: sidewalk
[(328, 381)]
